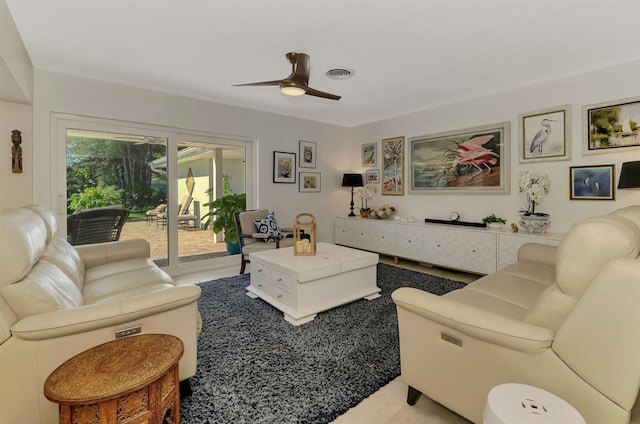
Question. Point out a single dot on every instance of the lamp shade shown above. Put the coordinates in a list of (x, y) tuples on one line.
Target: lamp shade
[(630, 175), (352, 180)]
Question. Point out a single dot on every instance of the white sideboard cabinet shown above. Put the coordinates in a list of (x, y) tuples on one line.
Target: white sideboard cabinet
[(472, 249)]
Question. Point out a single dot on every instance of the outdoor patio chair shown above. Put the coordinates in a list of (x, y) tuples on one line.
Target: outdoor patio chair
[(152, 214), (252, 241), (183, 209), (95, 226)]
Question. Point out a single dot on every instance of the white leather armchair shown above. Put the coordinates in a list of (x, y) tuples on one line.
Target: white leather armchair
[(57, 301), (567, 322)]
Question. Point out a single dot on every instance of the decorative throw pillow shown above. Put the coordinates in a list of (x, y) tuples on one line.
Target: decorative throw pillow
[(268, 226)]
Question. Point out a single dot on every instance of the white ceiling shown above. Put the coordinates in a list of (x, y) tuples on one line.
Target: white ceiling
[(408, 55)]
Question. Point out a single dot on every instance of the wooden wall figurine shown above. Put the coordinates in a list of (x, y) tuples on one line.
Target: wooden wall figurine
[(16, 152)]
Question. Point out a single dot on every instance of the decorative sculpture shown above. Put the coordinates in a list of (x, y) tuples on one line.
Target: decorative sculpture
[(16, 152)]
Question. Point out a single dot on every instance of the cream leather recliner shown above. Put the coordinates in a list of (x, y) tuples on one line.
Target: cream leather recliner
[(563, 319), (57, 301)]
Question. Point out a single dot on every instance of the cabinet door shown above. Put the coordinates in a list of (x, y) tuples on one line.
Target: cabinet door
[(476, 251), (411, 241), (367, 234), (440, 246), (460, 248)]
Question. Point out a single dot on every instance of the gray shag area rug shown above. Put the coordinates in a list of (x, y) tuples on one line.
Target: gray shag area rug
[(254, 367)]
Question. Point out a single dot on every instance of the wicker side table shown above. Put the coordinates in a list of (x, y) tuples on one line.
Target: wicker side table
[(132, 380)]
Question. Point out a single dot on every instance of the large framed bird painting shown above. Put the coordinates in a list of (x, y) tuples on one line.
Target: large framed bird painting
[(545, 135), (468, 161)]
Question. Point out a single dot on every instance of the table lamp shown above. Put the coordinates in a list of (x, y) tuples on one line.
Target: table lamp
[(352, 180), (630, 175)]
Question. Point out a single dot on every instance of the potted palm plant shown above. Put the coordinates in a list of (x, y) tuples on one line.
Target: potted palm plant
[(221, 217)]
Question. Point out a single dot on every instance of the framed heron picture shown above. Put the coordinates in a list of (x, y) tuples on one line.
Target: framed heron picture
[(467, 161), (545, 135)]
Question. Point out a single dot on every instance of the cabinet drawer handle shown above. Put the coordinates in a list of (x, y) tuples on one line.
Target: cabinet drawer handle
[(474, 250), (259, 285), (260, 270), (279, 296), (438, 245), (279, 279)]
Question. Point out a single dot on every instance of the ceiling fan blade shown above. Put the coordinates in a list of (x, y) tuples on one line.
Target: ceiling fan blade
[(317, 93), (275, 82)]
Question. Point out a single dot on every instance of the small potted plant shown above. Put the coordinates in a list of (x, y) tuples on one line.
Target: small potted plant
[(492, 221)]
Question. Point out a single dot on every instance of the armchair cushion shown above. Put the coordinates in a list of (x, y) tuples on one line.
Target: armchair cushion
[(268, 226)]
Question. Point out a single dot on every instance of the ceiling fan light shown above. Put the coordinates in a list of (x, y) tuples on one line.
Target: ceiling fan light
[(290, 90)]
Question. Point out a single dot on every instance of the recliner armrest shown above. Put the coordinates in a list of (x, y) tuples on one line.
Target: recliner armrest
[(537, 252), (475, 322), (91, 317), (104, 253)]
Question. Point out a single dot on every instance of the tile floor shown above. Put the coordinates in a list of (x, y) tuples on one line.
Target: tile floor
[(388, 405)]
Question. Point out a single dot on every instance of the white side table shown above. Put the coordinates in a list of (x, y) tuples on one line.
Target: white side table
[(513, 403)]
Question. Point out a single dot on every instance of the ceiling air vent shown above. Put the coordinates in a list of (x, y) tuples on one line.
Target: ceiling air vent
[(339, 73)]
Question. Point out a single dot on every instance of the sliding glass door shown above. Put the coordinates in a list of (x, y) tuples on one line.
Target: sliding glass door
[(164, 179)]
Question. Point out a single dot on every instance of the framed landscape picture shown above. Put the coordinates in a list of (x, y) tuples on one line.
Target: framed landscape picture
[(372, 176), (393, 166), (309, 182), (307, 154), (592, 182), (284, 167), (612, 126), (545, 135), (369, 154), (468, 161)]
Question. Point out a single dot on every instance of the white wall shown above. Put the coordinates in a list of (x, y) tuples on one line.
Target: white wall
[(15, 189), (598, 86), (72, 95)]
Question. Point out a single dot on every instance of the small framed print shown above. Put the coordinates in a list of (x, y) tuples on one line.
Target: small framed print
[(309, 182), (545, 135), (592, 182), (284, 167), (372, 176), (307, 154), (369, 154)]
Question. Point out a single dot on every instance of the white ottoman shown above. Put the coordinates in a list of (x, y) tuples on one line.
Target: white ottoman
[(513, 403)]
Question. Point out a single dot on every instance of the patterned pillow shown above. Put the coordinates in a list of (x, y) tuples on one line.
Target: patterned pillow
[(268, 226)]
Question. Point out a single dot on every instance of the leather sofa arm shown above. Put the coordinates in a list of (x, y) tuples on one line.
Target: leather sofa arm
[(537, 252), (104, 253), (475, 322), (91, 317)]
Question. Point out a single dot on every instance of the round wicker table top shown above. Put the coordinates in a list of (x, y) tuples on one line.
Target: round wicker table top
[(108, 370)]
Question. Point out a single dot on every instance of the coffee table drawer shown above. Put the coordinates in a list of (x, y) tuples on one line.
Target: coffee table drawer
[(262, 271), (278, 293)]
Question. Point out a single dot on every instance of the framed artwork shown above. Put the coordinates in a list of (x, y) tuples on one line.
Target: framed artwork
[(468, 161), (307, 154), (309, 182), (369, 154), (545, 135), (592, 182), (372, 176), (609, 127), (284, 167), (393, 166)]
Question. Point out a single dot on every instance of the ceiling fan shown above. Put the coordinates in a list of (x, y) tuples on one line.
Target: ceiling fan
[(297, 83)]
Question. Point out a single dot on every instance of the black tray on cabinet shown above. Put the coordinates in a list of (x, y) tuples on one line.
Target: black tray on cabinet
[(449, 222)]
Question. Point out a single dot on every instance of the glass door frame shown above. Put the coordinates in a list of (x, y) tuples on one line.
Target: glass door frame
[(58, 201)]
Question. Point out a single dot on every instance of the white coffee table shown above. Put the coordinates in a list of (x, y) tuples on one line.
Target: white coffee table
[(302, 286)]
